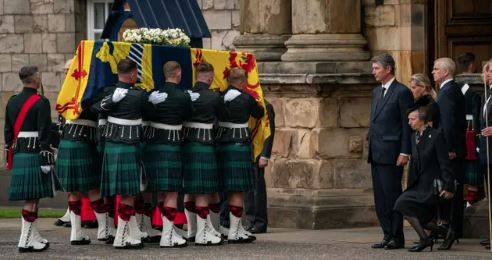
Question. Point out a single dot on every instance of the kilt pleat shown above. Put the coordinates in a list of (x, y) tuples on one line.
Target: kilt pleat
[(199, 168), (473, 173), (121, 169), (235, 166), (27, 180), (78, 166), (163, 167)]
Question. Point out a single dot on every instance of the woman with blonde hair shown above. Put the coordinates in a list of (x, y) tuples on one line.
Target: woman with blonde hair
[(425, 95)]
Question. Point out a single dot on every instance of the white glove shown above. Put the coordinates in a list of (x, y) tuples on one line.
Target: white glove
[(46, 168), (194, 96), (156, 97), (119, 94), (231, 95)]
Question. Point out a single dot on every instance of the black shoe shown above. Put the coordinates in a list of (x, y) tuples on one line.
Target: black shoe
[(423, 244), (381, 244), (89, 224), (485, 242), (60, 223), (448, 242), (487, 247), (255, 230), (394, 245)]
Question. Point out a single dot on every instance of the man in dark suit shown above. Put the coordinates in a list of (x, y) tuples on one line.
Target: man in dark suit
[(389, 147), (256, 199), (453, 123)]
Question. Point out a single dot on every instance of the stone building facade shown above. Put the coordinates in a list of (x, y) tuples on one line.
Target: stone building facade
[(313, 57)]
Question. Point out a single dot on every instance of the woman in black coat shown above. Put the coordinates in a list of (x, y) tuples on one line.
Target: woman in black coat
[(429, 161), (425, 95)]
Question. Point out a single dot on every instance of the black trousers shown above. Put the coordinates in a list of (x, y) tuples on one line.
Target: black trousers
[(386, 182), (255, 203)]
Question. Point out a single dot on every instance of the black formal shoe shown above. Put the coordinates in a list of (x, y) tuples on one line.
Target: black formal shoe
[(255, 230), (487, 247), (485, 242), (60, 222), (381, 244), (394, 245), (423, 244), (448, 242)]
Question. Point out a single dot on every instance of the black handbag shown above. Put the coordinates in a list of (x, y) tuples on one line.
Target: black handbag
[(438, 186)]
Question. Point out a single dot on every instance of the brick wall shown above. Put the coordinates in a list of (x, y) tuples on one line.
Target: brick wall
[(222, 17)]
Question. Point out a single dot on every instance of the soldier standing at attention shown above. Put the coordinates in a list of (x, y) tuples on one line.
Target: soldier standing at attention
[(27, 123)]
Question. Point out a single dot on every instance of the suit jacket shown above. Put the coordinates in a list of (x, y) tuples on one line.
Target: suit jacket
[(267, 146), (429, 161), (473, 103), (453, 120), (389, 132)]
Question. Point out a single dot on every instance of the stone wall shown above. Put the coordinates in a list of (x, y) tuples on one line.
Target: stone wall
[(397, 27), (223, 19), (37, 32)]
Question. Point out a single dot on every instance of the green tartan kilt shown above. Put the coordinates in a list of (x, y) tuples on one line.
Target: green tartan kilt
[(27, 181), (163, 167), (200, 174), (235, 166), (473, 173), (78, 166), (121, 169)]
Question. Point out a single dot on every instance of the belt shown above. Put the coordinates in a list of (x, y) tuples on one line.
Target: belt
[(232, 125), (120, 121), (27, 134), (198, 125), (83, 122), (145, 123), (166, 126), (102, 121)]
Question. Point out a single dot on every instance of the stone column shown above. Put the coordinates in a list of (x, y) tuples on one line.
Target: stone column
[(265, 26), (321, 31)]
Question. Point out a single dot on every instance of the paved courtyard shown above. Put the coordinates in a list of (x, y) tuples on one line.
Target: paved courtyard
[(277, 244)]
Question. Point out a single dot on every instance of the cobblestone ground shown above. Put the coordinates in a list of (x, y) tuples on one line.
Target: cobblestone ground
[(277, 244)]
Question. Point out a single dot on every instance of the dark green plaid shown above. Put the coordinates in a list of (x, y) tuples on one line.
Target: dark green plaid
[(27, 181), (121, 169), (163, 167), (199, 168), (235, 166), (78, 166), (473, 173)]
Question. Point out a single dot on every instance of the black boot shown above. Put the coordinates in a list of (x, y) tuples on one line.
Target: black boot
[(448, 242)]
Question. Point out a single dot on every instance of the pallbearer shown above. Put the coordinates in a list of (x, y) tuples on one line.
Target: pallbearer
[(27, 123), (234, 151), (163, 151), (200, 166), (121, 166)]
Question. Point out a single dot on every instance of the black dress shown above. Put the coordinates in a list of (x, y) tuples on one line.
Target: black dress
[(429, 161)]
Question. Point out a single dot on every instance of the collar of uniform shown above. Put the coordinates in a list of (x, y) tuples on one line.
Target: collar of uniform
[(200, 86), (29, 90), (124, 85), (465, 88)]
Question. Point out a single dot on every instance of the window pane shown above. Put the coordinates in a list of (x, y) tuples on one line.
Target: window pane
[(99, 16)]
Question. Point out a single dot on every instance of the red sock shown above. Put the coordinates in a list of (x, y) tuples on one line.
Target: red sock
[(169, 213), (126, 211), (202, 212), (98, 206), (214, 207), (236, 211), (190, 206), (29, 216), (74, 206)]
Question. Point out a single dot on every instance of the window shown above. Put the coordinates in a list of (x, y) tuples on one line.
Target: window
[(97, 13)]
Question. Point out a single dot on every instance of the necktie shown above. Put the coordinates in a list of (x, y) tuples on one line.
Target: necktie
[(382, 92)]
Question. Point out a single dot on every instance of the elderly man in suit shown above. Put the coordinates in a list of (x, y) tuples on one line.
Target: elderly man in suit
[(453, 123), (389, 147), (256, 199)]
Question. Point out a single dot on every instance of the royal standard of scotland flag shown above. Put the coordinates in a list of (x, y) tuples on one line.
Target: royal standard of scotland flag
[(94, 67)]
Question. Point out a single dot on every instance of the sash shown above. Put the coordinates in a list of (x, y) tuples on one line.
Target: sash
[(18, 125)]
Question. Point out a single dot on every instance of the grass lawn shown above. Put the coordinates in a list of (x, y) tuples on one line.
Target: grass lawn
[(8, 212)]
